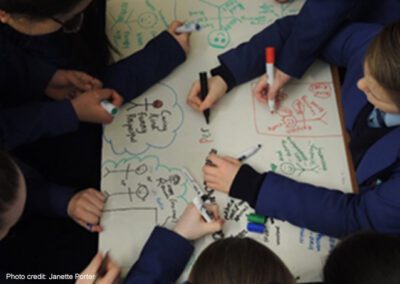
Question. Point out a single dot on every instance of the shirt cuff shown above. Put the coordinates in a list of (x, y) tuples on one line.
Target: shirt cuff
[(246, 185), (225, 74)]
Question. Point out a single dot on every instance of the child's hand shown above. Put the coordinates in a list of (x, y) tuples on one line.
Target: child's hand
[(111, 276), (216, 90), (192, 226), (181, 38), (85, 208), (221, 174), (67, 84), (88, 108), (263, 92)]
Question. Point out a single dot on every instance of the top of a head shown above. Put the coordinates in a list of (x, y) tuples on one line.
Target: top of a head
[(383, 60), (9, 183), (239, 261), (38, 9), (364, 258)]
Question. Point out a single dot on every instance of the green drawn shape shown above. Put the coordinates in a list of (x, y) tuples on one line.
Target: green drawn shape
[(219, 39), (288, 168), (273, 167), (155, 161), (147, 20)]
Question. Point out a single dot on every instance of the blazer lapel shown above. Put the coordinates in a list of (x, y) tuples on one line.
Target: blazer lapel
[(379, 156)]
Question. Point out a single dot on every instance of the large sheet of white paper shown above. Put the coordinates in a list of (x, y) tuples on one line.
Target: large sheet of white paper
[(157, 134)]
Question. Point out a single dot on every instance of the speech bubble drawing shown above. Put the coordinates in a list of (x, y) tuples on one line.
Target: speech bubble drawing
[(150, 121)]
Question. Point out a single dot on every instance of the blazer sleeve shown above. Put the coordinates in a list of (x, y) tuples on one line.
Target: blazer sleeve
[(25, 124), (138, 72), (162, 259), (329, 211), (43, 197), (316, 22), (22, 75), (247, 60)]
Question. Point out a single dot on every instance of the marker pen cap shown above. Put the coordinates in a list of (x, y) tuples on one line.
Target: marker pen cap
[(109, 107), (255, 218), (256, 228), (270, 55)]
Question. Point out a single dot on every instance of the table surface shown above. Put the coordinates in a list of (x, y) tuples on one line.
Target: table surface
[(143, 178)]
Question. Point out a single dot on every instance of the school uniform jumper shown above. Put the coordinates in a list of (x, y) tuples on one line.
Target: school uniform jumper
[(332, 212), (318, 20), (38, 131), (162, 259)]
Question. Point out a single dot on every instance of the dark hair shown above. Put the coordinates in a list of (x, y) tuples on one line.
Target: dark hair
[(364, 258), (38, 9), (9, 182), (90, 46), (239, 261), (383, 60)]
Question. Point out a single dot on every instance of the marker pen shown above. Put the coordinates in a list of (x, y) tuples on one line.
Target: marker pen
[(109, 107), (192, 180), (248, 153), (188, 28), (203, 211), (269, 68), (256, 228), (204, 92)]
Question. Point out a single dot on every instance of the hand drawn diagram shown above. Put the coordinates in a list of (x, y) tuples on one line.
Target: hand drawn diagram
[(152, 120), (219, 17), (310, 114), (293, 161), (144, 182), (132, 24), (141, 193)]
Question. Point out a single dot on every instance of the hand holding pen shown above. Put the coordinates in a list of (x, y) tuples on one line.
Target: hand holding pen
[(192, 226), (101, 270), (86, 208), (220, 173), (216, 90)]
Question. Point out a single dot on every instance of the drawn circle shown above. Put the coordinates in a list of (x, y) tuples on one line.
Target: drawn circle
[(290, 121), (142, 192), (147, 20), (157, 104), (287, 168), (219, 39)]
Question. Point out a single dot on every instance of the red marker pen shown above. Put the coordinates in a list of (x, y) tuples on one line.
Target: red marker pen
[(269, 68)]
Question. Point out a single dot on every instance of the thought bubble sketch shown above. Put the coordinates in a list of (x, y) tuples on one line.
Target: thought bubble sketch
[(150, 121)]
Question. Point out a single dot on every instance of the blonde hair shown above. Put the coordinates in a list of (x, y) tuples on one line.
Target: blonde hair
[(383, 60)]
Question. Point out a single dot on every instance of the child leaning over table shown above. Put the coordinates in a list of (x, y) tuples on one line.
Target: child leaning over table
[(371, 104)]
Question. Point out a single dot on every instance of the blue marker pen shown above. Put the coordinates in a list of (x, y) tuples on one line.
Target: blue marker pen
[(256, 228)]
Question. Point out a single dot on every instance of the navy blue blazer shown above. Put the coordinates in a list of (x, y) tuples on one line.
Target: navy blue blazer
[(318, 20), (162, 259), (331, 211), (26, 115), (24, 76)]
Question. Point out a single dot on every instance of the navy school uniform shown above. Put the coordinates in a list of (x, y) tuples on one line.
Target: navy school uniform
[(162, 259), (319, 20), (332, 212), (47, 136)]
